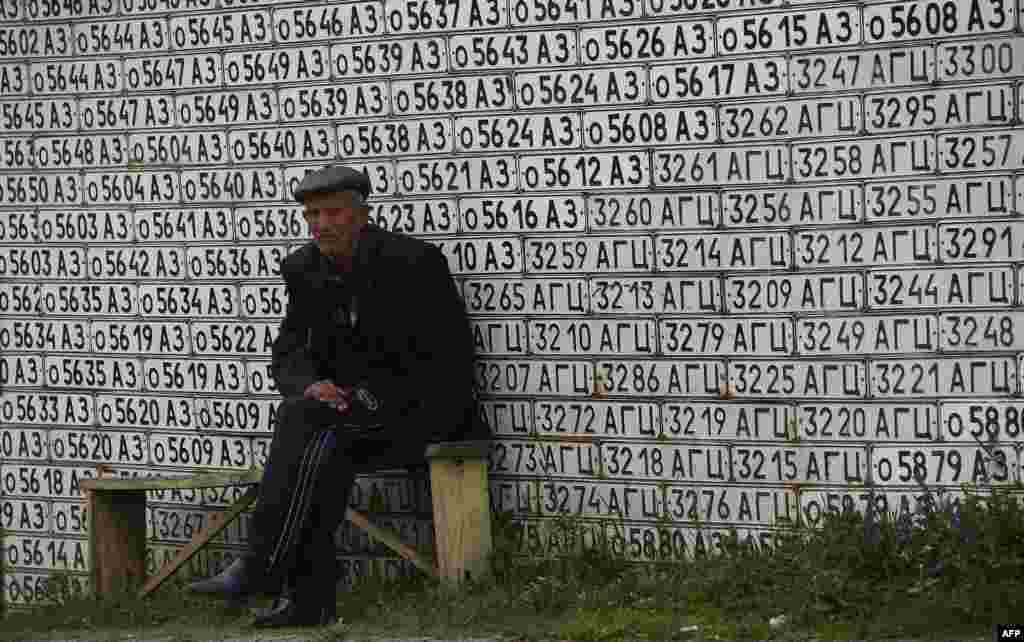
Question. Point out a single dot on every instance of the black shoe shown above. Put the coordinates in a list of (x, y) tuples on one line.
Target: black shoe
[(235, 583), (286, 611)]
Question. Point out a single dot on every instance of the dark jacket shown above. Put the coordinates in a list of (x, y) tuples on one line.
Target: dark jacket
[(411, 346)]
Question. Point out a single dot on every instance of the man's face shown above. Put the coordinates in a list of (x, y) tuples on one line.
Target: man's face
[(335, 221)]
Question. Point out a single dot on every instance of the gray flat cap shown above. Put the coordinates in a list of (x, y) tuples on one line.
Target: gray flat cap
[(333, 178)]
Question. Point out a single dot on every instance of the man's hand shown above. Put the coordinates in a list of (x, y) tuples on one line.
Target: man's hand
[(338, 396)]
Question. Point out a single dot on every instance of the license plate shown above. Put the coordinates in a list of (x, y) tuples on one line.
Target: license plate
[(753, 121), (949, 377), (588, 500), (423, 216), (734, 251), (940, 287), (578, 88), (105, 446), (17, 153), (510, 457), (35, 480), (218, 185), (943, 465), (235, 107), (315, 22), (270, 223), (246, 339), (456, 175), (827, 72), (422, 16), (44, 40), (282, 144), (119, 262), (299, 64), (482, 256), (406, 137), (582, 417), (69, 518), (184, 375), (188, 300), (27, 552), (246, 415), (95, 373), (794, 293), (655, 295), (537, 131), (803, 464), (193, 31), (25, 515), (177, 148), (139, 337), (528, 12), (902, 21), (624, 128), (113, 112), (263, 301), (503, 214), (865, 246), (86, 77), (121, 36), (29, 335), (916, 110), (495, 51), (83, 226), (980, 58), (381, 175), (40, 115), (499, 337), (990, 150), (865, 422), (725, 421), (712, 336), (780, 31), (349, 100), (577, 337), (945, 198), (987, 241), (131, 187), (15, 78), (389, 58), (981, 331), (510, 377), (174, 524), (39, 263), (114, 299), (875, 334), (15, 297), (641, 43), (234, 262), (181, 71), (818, 504), (786, 379), (508, 418), (41, 189), (46, 409), (750, 78), (183, 225), (510, 296), (147, 412), (258, 376), (21, 443), (874, 158), (590, 254), (669, 377), (718, 166), (983, 421), (729, 504), (200, 451), (32, 589), (812, 205), (585, 171)]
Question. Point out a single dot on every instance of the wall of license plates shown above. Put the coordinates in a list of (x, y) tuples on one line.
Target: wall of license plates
[(728, 262)]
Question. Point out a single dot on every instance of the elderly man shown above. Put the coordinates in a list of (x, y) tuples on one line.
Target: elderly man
[(374, 359)]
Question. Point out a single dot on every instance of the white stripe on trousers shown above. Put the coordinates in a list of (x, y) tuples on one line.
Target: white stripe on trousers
[(298, 507)]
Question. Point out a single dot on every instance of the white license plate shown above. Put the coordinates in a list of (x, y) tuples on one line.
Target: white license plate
[(25, 551), (44, 40), (865, 422), (200, 451), (712, 336), (988, 150), (245, 339), (40, 115), (21, 443), (786, 379), (801, 464), (554, 255), (419, 216), (874, 334), (174, 524), (389, 58), (818, 504), (692, 210), (196, 31), (726, 421), (861, 247), (529, 12), (85, 77), (642, 43), (511, 214), (15, 78), (581, 417), (576, 337), (25, 515), (245, 415), (317, 22), (32, 589), (499, 337), (263, 301), (625, 128), (42, 263), (980, 58), (301, 144), (499, 255), (511, 50), (510, 377), (721, 166), (183, 225), (672, 378), (456, 175), (83, 226), (511, 457), (971, 330), (188, 300), (131, 187), (422, 16), (655, 461), (827, 72), (903, 21), (940, 287), (299, 64), (812, 205), (178, 148), (655, 295), (234, 107), (984, 420), (808, 28), (31, 335), (148, 412), (516, 296), (234, 262), (591, 500), (916, 110), (257, 372), (35, 480), (730, 504), (184, 375), (794, 293), (69, 518), (103, 373), (143, 262), (945, 198), (752, 78), (114, 299), (545, 89), (103, 446), (17, 153), (41, 189), (406, 137), (531, 132), (987, 241), (139, 337), (815, 118), (349, 100), (381, 175), (585, 171), (949, 377), (121, 36), (873, 158), (940, 465), (732, 251), (114, 112), (45, 409), (218, 185), (270, 223), (180, 71)]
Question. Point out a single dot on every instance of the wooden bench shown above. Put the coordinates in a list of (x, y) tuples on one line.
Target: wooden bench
[(459, 491)]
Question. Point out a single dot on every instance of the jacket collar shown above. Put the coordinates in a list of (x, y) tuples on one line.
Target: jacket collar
[(367, 250)]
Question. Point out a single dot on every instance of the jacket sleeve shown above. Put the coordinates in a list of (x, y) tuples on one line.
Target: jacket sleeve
[(292, 364)]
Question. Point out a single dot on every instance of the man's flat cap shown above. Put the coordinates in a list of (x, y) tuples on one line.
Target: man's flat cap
[(333, 178)]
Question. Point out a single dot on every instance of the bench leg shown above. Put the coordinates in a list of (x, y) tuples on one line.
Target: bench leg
[(462, 518), (117, 539)]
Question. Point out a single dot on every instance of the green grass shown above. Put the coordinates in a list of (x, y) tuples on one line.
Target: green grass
[(852, 578)]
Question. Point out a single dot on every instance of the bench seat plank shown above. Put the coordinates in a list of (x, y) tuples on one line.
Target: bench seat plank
[(202, 480)]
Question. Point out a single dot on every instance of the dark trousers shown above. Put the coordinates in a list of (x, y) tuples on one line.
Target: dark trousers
[(304, 493)]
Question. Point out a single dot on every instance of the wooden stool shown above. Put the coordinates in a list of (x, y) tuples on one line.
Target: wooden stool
[(462, 524)]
